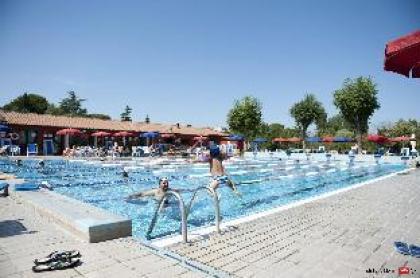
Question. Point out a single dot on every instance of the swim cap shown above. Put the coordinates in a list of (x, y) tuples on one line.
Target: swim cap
[(214, 151)]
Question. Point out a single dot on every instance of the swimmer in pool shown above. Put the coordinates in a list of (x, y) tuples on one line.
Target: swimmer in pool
[(157, 193), (217, 171)]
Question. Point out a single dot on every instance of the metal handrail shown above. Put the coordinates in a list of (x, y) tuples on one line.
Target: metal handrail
[(181, 209), (215, 202)]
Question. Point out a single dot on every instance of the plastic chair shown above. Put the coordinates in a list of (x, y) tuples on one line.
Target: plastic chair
[(32, 149)]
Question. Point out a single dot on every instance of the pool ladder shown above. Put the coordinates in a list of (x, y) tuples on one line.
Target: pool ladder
[(185, 211)]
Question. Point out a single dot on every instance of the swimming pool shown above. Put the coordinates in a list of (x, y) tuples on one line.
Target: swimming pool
[(264, 184)]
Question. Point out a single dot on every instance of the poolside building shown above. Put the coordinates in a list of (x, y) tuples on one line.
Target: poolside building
[(29, 128)]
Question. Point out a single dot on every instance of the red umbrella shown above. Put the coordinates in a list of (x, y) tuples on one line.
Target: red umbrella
[(400, 139), (123, 134), (378, 139), (294, 140), (100, 134), (403, 55), (328, 139), (280, 140), (69, 131), (167, 135), (200, 138)]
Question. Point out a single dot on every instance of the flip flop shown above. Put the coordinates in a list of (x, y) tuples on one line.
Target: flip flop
[(58, 255), (414, 250), (57, 265), (402, 247)]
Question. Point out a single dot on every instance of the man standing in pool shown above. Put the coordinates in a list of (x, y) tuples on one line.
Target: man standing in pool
[(157, 193), (217, 171)]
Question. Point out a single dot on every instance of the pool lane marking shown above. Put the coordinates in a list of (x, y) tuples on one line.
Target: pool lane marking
[(166, 241)]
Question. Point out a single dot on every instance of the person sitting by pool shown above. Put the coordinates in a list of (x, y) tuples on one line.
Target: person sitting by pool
[(217, 171), (157, 193)]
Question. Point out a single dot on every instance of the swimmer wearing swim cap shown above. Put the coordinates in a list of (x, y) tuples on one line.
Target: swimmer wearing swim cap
[(217, 170)]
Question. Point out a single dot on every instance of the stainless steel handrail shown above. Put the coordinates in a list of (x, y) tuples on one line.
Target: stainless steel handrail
[(215, 202), (181, 210)]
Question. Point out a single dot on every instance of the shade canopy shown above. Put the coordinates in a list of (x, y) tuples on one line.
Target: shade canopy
[(167, 135), (378, 139), (4, 128), (400, 139), (151, 134), (235, 137), (69, 131), (294, 140), (403, 55), (328, 139), (200, 138), (260, 140), (341, 139), (280, 140), (100, 134), (123, 134), (313, 139)]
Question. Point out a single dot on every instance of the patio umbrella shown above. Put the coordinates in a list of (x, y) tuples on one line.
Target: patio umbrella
[(235, 137), (294, 140), (378, 139), (400, 139), (167, 135), (101, 134), (403, 55), (4, 128), (280, 140), (150, 134), (200, 138), (328, 139), (342, 139), (123, 134), (260, 140), (67, 132), (313, 139)]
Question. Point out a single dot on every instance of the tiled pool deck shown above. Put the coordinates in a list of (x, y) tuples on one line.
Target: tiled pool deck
[(339, 236)]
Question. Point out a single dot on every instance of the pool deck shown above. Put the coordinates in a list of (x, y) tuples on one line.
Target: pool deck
[(339, 236)]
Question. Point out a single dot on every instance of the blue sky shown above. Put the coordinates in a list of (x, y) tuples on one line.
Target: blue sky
[(187, 61)]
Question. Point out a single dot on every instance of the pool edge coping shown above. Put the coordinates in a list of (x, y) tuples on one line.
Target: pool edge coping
[(167, 241)]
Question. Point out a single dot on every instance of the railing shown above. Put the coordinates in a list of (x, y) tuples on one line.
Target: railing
[(181, 210), (215, 202), (185, 211)]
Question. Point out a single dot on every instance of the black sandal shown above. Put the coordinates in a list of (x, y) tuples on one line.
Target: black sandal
[(56, 255), (57, 265)]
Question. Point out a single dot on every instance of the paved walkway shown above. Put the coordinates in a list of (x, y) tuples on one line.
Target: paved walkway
[(25, 236), (340, 236)]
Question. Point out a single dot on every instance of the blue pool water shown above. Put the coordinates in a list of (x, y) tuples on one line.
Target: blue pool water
[(263, 184)]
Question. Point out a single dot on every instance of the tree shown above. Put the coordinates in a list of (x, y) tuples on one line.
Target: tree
[(333, 125), (147, 120), (72, 105), (308, 111), (99, 116), (357, 101), (245, 117), (28, 103), (126, 115)]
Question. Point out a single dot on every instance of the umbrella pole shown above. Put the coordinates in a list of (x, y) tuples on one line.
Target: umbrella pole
[(66, 141), (95, 141)]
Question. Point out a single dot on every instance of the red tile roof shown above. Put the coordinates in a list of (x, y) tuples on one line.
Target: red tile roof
[(29, 119)]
